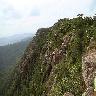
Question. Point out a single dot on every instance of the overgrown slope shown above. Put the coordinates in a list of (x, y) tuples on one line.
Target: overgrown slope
[(52, 63), (9, 56)]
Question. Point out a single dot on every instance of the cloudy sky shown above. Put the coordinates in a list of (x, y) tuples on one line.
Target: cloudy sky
[(26, 16)]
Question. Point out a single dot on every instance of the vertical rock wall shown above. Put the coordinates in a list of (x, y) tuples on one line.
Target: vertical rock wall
[(88, 71)]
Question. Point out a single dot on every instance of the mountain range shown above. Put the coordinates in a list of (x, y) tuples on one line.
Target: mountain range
[(9, 56), (14, 38)]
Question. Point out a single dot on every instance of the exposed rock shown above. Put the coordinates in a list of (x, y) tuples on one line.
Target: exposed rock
[(89, 91), (88, 71), (68, 94)]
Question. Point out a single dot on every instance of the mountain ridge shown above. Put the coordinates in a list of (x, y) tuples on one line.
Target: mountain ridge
[(52, 63)]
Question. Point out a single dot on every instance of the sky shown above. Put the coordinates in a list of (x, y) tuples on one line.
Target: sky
[(26, 16)]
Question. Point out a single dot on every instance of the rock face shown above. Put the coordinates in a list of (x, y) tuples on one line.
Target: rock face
[(88, 71), (68, 94)]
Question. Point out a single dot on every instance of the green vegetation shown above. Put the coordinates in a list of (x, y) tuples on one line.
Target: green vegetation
[(52, 62), (9, 56)]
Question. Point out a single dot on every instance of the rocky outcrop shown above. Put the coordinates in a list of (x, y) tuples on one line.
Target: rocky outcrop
[(68, 94), (58, 53), (88, 71)]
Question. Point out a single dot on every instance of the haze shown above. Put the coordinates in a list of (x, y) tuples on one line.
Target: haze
[(26, 16)]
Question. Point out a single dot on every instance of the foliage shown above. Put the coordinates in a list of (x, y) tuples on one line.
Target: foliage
[(36, 75), (9, 56)]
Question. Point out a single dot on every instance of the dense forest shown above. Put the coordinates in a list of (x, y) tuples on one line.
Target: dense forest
[(52, 62), (9, 56)]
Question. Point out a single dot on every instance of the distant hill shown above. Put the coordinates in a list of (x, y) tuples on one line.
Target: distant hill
[(14, 38), (9, 56), (11, 53)]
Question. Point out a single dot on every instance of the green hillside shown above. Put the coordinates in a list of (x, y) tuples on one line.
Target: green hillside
[(9, 56), (52, 62)]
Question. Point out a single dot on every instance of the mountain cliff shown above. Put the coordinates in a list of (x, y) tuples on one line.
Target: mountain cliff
[(54, 63)]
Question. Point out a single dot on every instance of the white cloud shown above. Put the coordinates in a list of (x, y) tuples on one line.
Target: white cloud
[(29, 15)]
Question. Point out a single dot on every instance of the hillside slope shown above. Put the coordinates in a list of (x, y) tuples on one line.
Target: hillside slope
[(11, 52), (9, 56), (52, 63)]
